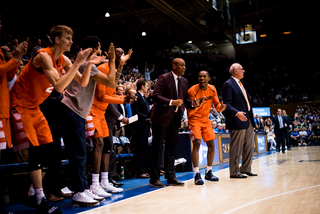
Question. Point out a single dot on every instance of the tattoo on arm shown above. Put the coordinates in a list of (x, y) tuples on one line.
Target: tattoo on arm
[(119, 72)]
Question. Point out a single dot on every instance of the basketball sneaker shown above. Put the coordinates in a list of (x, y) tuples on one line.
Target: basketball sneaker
[(209, 176), (98, 190), (197, 179), (45, 207), (111, 189), (83, 200)]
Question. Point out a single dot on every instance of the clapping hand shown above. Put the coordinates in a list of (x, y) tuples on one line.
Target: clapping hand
[(95, 59), (111, 53), (125, 58)]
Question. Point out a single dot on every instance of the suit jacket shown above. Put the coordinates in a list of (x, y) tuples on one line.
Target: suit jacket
[(141, 108), (275, 121), (112, 115), (121, 112), (164, 91), (235, 101)]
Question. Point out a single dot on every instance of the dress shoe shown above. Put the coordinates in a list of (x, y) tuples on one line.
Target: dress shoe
[(115, 184), (210, 177), (238, 176), (249, 173), (55, 198), (174, 182), (145, 175), (157, 183)]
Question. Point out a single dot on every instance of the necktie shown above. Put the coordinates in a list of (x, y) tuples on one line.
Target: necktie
[(245, 95), (180, 94), (146, 103), (280, 122)]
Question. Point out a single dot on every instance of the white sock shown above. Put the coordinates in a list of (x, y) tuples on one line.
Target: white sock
[(31, 191), (95, 179), (39, 195), (195, 170), (209, 168), (104, 178)]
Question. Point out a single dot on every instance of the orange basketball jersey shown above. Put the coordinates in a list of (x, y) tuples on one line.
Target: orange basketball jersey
[(32, 87), (201, 114)]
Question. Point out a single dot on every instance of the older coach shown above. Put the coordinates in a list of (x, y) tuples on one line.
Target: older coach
[(239, 120)]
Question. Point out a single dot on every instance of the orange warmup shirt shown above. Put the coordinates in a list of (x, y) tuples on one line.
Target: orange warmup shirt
[(6, 69), (29, 91), (103, 96), (198, 118), (200, 115)]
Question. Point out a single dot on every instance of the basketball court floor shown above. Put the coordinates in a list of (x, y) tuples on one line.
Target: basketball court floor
[(286, 183)]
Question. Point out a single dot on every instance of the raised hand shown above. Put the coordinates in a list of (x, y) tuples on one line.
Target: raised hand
[(125, 58), (111, 55), (95, 59), (20, 50)]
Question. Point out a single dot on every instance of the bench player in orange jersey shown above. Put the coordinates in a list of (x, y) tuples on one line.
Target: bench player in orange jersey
[(98, 130), (8, 68), (33, 86), (200, 125)]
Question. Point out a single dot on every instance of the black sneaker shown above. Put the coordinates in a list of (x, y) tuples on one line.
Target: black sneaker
[(209, 176), (30, 201), (45, 208), (197, 179)]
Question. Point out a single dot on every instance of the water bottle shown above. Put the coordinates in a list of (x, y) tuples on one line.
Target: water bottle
[(6, 196), (122, 173)]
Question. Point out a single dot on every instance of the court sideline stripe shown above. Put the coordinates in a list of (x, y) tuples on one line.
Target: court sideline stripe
[(263, 199)]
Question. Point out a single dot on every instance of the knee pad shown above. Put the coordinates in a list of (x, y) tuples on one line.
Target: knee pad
[(34, 158), (107, 147)]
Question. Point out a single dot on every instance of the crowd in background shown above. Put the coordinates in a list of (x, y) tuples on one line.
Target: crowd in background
[(271, 83)]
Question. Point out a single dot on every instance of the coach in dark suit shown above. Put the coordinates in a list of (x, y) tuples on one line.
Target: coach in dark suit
[(141, 128), (170, 99), (239, 120), (280, 130)]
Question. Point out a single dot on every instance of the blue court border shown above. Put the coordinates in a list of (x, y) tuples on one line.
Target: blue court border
[(133, 187)]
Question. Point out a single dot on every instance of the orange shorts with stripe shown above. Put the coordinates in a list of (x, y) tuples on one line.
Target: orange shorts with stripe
[(96, 124), (201, 130), (29, 128), (5, 134)]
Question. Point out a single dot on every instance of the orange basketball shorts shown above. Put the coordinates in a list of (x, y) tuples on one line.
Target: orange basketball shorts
[(96, 124), (201, 130), (5, 133), (29, 127)]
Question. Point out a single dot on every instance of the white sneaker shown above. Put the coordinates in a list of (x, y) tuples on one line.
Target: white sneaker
[(98, 190), (83, 200), (111, 189), (94, 196)]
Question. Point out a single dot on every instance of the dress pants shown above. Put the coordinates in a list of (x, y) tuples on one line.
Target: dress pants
[(242, 143), (169, 134), (141, 141), (280, 137)]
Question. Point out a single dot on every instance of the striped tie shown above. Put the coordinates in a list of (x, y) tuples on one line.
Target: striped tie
[(245, 95)]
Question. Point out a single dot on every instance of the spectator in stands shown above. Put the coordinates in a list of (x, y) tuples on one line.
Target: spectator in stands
[(36, 47), (136, 69), (271, 138), (295, 136), (303, 137), (147, 72), (219, 128), (141, 128), (317, 135)]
